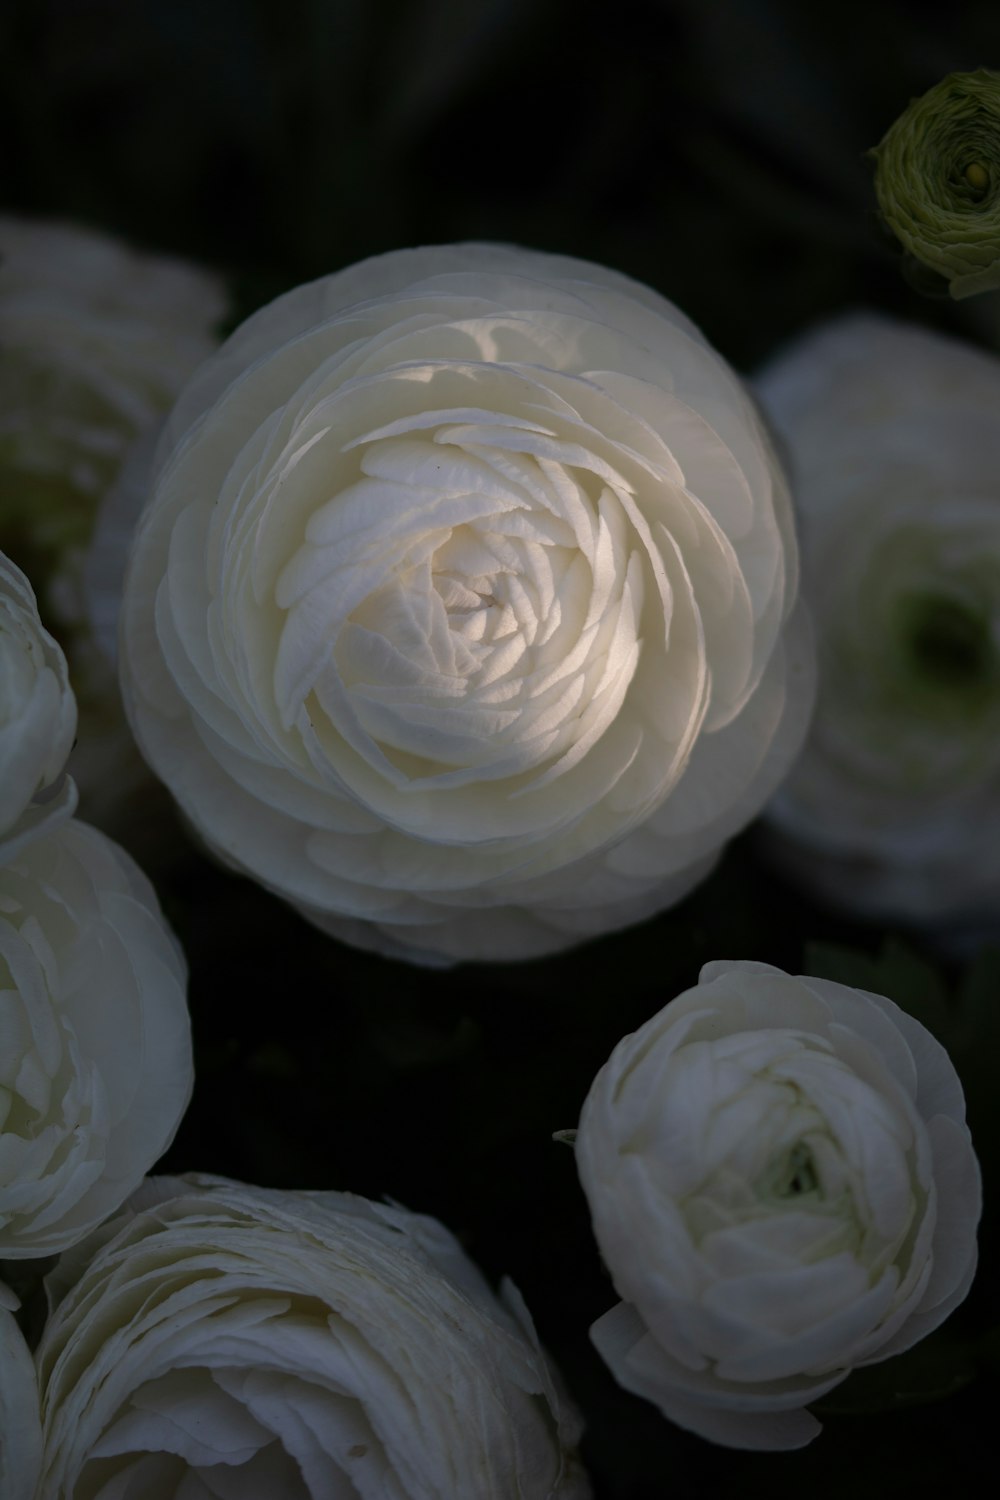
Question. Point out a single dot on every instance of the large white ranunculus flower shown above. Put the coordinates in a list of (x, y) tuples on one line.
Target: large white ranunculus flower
[(97, 340), (37, 718), (457, 615), (95, 1067), (894, 440), (783, 1187), (227, 1340), (20, 1423)]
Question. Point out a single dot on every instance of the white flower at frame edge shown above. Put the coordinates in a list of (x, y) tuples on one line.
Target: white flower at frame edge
[(37, 718), (98, 339), (461, 613), (96, 1067), (783, 1187), (302, 1345), (20, 1418), (894, 445)]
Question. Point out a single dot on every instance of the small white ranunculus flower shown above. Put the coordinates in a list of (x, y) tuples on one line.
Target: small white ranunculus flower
[(228, 1340), (20, 1422), (97, 340), (894, 440), (459, 614), (783, 1187), (95, 1067), (37, 718)]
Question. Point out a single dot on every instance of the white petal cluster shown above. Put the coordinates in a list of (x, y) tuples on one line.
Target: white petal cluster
[(95, 1066), (458, 613), (894, 441), (20, 1420), (783, 1187), (37, 717), (97, 340), (224, 1340)]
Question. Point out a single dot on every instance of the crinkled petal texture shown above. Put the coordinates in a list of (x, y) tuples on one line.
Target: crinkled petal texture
[(894, 443), (20, 1422), (938, 181), (219, 1340), (783, 1187), (458, 613), (95, 1062), (37, 718)]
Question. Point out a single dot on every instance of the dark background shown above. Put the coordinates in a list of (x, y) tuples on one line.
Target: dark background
[(715, 151)]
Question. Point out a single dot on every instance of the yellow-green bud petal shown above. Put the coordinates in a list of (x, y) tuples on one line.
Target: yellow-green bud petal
[(937, 179)]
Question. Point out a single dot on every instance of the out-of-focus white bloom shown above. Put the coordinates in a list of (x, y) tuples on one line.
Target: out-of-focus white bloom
[(226, 1340), (894, 439), (783, 1187), (20, 1423), (95, 1067), (37, 718), (97, 340), (460, 612)]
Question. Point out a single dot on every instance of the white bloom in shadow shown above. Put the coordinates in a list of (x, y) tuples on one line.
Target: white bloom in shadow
[(95, 1068), (783, 1187), (894, 444), (219, 1339), (459, 615), (97, 340), (37, 718), (20, 1420)]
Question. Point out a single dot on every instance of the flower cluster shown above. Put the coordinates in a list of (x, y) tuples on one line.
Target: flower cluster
[(461, 611)]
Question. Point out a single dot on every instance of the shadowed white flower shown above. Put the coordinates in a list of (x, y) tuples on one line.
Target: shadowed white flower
[(895, 447), (37, 718), (783, 1187), (97, 340), (20, 1422), (458, 613), (95, 1066), (218, 1339)]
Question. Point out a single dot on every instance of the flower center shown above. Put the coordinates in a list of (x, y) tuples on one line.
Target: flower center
[(947, 641)]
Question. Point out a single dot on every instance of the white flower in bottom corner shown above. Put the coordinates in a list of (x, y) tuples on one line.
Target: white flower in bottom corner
[(783, 1187), (20, 1426), (225, 1340), (95, 1062)]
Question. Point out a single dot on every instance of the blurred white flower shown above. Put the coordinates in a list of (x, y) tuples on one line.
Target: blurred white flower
[(460, 612), (20, 1421), (894, 440), (95, 1067), (37, 718), (227, 1340), (783, 1187), (97, 340)]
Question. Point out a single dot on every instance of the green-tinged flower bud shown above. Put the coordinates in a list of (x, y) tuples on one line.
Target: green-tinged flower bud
[(937, 179)]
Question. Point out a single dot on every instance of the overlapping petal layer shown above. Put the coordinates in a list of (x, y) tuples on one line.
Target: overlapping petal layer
[(223, 1340), (95, 1066)]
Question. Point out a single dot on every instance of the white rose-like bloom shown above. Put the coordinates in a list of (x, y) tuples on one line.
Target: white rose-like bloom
[(20, 1421), (225, 1340), (457, 615), (97, 340), (95, 1065), (37, 718), (894, 440), (783, 1187)]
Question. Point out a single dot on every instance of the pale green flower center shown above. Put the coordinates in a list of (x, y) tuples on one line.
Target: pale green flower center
[(947, 641)]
